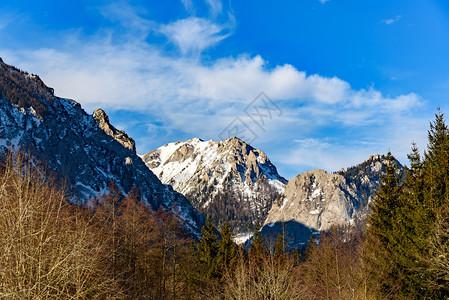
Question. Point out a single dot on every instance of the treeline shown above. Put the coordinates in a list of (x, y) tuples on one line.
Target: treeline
[(408, 229), (116, 247), (334, 268)]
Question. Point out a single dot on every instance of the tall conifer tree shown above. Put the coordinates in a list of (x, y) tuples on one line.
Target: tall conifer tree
[(386, 202), (436, 164), (382, 228), (208, 248), (227, 249), (404, 225), (436, 203)]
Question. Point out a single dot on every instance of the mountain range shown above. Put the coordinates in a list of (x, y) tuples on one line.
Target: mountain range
[(229, 180)]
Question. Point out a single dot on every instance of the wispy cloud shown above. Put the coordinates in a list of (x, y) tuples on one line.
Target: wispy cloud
[(193, 35), (215, 7), (391, 20), (3, 23), (323, 1), (326, 153), (188, 5), (8, 18), (129, 18)]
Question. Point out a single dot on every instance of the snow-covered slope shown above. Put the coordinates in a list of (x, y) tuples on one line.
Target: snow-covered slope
[(86, 151), (228, 180), (314, 201)]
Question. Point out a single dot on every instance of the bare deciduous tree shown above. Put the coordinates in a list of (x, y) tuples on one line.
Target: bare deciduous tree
[(47, 249)]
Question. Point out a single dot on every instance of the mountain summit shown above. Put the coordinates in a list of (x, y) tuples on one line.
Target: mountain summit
[(228, 180)]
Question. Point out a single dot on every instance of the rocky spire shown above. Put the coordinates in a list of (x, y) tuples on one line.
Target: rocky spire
[(119, 135)]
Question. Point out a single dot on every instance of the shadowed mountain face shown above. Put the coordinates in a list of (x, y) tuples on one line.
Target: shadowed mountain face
[(295, 234), (86, 151), (228, 180)]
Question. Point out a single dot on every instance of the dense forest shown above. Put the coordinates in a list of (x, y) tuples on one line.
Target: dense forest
[(116, 247)]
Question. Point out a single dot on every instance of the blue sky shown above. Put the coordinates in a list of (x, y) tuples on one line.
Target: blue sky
[(342, 79)]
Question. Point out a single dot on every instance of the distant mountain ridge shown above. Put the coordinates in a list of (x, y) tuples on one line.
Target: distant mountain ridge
[(87, 151), (227, 180)]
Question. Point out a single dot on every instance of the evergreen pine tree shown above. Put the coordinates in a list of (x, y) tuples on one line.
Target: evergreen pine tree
[(436, 164), (208, 249), (435, 203), (227, 249), (411, 228), (414, 176), (382, 229), (404, 227), (386, 202)]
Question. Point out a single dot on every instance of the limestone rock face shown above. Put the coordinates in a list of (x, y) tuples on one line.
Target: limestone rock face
[(316, 200), (85, 151), (228, 180)]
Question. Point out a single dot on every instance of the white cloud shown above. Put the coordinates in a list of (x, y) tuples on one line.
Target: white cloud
[(323, 1), (391, 20), (193, 35), (137, 76), (215, 6), (335, 152), (329, 154)]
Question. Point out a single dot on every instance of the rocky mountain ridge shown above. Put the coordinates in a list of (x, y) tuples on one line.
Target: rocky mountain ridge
[(86, 151)]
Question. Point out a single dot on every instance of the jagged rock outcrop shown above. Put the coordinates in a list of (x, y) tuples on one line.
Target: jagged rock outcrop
[(119, 135), (314, 201), (86, 151), (228, 180)]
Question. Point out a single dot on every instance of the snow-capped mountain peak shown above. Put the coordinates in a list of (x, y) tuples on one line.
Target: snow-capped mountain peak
[(206, 172)]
